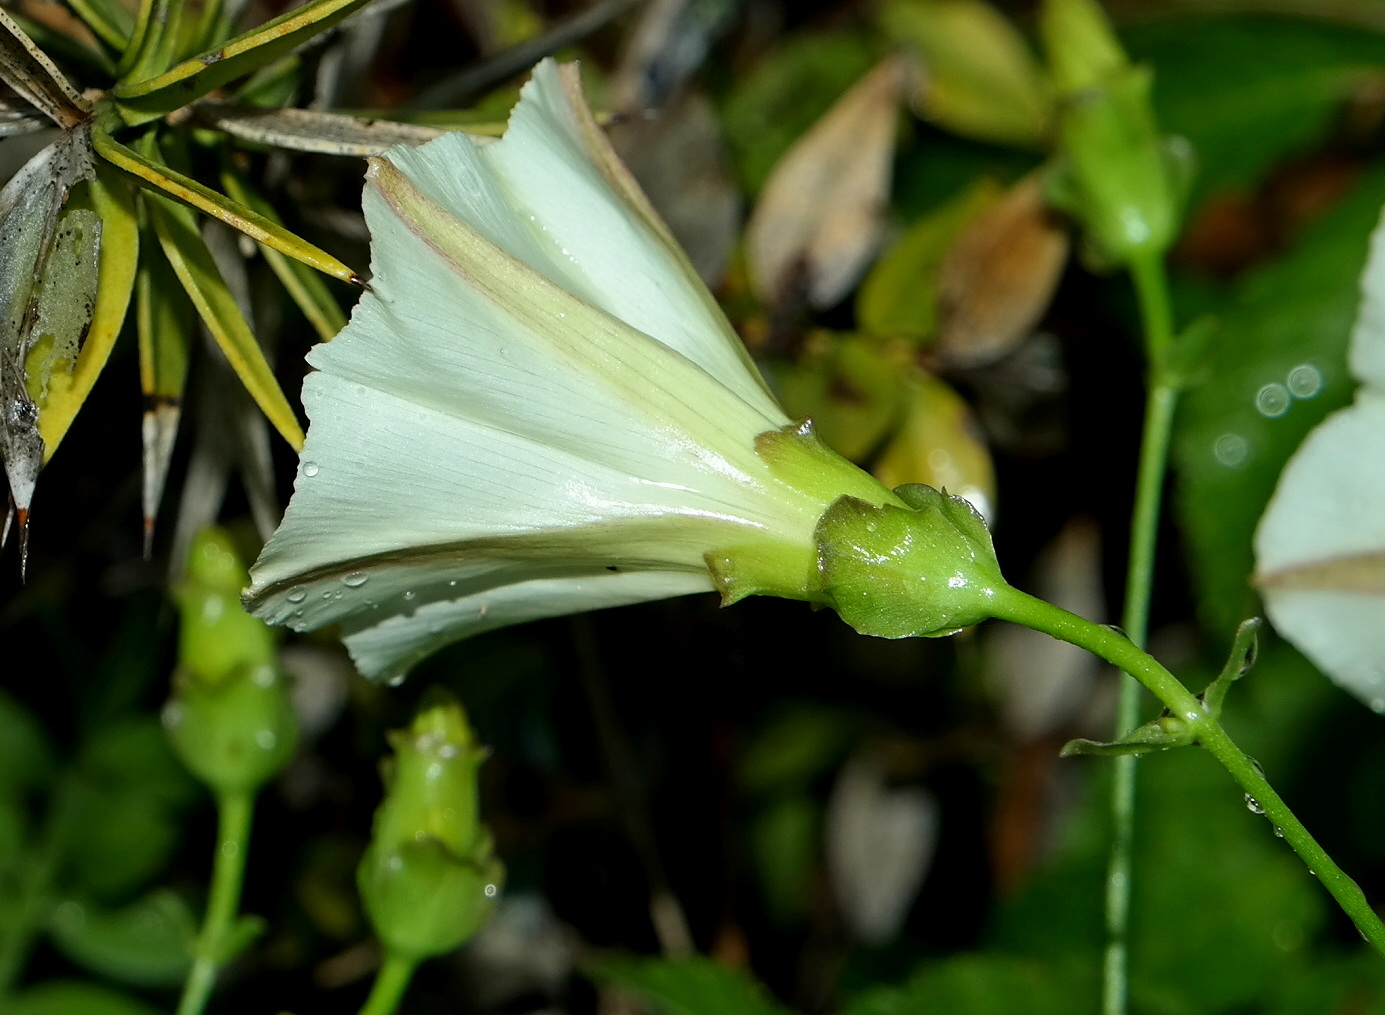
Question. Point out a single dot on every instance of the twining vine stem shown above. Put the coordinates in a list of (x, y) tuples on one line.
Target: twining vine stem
[(1206, 730)]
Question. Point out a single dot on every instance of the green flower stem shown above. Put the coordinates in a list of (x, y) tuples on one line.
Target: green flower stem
[(234, 813), (1151, 289), (1022, 608), (390, 983)]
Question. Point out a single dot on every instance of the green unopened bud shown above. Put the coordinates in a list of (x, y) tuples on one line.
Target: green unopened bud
[(230, 718), (1115, 174), (217, 637), (1083, 51), (234, 734), (927, 569), (429, 878)]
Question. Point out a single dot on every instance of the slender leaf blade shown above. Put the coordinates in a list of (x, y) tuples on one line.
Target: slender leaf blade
[(148, 99), (114, 202), (161, 177), (304, 285), (191, 261)]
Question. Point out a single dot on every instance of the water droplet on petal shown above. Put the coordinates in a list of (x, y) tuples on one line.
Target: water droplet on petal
[(297, 594), (355, 579), (410, 595), (310, 469)]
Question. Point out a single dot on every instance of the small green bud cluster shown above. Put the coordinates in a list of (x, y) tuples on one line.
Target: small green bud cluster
[(229, 718), (430, 877)]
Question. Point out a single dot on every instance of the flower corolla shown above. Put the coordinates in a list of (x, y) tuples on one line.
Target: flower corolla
[(1320, 546), (536, 409)]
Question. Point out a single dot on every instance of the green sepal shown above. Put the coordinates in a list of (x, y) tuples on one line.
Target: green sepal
[(1160, 734), (1244, 649), (423, 900), (234, 735), (927, 570), (798, 458)]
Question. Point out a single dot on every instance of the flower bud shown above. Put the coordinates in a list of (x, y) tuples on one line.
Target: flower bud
[(927, 569), (230, 717), (429, 878), (1115, 175)]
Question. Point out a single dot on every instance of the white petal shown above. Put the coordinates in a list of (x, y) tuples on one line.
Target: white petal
[(540, 194), (400, 640), (1368, 337), (1330, 501), (1330, 504)]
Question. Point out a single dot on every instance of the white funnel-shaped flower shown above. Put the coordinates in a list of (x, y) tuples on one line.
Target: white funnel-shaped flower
[(536, 409)]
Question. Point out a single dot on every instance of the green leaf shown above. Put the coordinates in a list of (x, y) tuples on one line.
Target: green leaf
[(147, 943), (1275, 369), (985, 984), (165, 321), (113, 201), (157, 176), (26, 758), (1195, 841), (304, 284), (691, 986), (192, 262), (109, 21), (143, 100), (1250, 91), (71, 997)]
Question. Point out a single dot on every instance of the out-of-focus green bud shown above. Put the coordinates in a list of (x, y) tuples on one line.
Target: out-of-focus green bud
[(927, 569), (1082, 50), (230, 718), (1114, 173), (430, 878), (217, 637)]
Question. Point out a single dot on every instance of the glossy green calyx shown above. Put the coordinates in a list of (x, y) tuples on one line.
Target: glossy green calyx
[(927, 569)]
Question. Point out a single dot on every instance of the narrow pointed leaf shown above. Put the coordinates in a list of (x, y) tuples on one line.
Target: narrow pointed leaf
[(29, 208), (26, 69), (151, 49), (142, 101), (157, 176), (110, 22), (113, 201), (304, 285), (165, 335), (192, 262)]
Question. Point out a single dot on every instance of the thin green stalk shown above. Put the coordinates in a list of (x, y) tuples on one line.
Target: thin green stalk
[(390, 983), (234, 813), (1157, 315), (1022, 608)]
